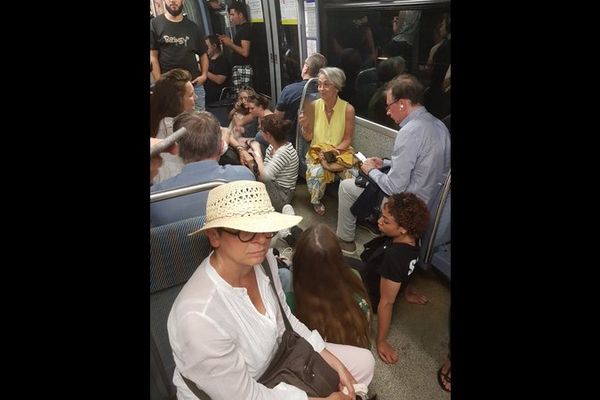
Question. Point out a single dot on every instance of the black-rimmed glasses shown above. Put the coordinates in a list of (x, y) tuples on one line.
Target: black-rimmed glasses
[(246, 237)]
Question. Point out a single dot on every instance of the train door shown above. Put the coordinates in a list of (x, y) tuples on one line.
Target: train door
[(276, 48)]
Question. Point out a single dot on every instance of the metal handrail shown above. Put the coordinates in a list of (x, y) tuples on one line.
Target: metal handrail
[(182, 191), (438, 215), (301, 109)]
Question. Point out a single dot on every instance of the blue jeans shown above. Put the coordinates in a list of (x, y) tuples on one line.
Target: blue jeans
[(201, 97)]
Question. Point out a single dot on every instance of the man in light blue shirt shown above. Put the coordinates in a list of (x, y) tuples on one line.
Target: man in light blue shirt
[(419, 160), (200, 149)]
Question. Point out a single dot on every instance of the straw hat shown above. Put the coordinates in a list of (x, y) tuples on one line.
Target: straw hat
[(245, 206)]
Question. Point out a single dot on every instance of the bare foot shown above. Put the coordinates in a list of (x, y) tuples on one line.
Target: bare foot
[(319, 208), (415, 297), (387, 353)]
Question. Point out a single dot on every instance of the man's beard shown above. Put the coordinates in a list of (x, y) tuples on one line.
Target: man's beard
[(175, 12)]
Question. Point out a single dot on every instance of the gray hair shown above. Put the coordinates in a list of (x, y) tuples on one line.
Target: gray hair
[(334, 75), (203, 135)]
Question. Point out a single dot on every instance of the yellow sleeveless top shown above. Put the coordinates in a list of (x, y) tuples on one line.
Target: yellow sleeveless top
[(329, 132)]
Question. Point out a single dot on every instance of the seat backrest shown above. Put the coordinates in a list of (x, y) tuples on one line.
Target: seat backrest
[(438, 229), (174, 257)]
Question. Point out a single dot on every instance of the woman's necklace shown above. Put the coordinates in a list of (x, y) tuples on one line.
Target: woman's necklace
[(329, 112)]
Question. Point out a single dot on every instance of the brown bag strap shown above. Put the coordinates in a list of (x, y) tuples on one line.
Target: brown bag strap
[(192, 386), (267, 270)]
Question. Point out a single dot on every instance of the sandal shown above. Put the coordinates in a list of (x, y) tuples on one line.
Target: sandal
[(319, 208), (444, 378)]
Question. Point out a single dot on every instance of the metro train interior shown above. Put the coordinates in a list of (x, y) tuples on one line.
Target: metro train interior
[(361, 38)]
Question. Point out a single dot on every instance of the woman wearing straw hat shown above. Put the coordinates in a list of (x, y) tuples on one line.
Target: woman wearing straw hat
[(225, 324)]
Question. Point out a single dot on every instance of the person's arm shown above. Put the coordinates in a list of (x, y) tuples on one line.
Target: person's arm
[(258, 158), (245, 157), (155, 65), (348, 129), (243, 50), (218, 79), (209, 356), (389, 290), (346, 378), (203, 65), (404, 157), (306, 119)]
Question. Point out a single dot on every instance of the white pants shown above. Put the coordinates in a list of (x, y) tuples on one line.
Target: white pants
[(348, 192), (359, 361)]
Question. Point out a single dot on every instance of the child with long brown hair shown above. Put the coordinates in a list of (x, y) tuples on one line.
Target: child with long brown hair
[(329, 295)]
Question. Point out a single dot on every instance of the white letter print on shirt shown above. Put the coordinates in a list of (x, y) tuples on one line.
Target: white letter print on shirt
[(411, 266)]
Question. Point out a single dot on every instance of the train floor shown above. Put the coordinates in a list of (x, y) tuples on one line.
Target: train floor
[(419, 333)]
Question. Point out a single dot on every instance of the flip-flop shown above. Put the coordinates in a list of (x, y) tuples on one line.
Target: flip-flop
[(444, 379), (319, 208)]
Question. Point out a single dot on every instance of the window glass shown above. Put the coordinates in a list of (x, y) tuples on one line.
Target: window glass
[(374, 44)]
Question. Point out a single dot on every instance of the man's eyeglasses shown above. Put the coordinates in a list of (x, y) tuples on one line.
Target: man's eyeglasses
[(387, 108), (246, 237)]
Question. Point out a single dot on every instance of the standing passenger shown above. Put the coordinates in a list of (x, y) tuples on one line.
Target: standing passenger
[(241, 73), (176, 42)]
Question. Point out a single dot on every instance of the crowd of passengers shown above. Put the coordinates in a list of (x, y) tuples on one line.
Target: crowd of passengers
[(222, 343)]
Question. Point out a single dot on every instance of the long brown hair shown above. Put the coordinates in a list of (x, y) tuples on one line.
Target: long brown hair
[(167, 97), (324, 289)]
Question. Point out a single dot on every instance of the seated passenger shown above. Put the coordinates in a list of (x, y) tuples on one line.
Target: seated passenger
[(239, 115), (279, 170), (327, 121), (173, 94), (258, 106), (420, 158), (219, 70), (329, 296), (225, 325), (390, 260), (200, 149)]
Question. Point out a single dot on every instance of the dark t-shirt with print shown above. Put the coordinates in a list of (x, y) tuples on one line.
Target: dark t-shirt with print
[(393, 261), (177, 44)]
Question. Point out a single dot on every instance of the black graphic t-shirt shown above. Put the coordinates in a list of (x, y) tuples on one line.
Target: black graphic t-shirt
[(393, 261), (177, 44)]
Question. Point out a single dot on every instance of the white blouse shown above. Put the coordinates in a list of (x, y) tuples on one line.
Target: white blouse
[(222, 343)]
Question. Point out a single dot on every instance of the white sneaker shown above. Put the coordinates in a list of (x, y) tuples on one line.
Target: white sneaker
[(287, 210)]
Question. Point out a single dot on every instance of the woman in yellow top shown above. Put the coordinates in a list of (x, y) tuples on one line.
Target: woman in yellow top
[(329, 124)]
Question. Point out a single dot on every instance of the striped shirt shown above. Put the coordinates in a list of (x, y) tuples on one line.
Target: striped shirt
[(282, 166)]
